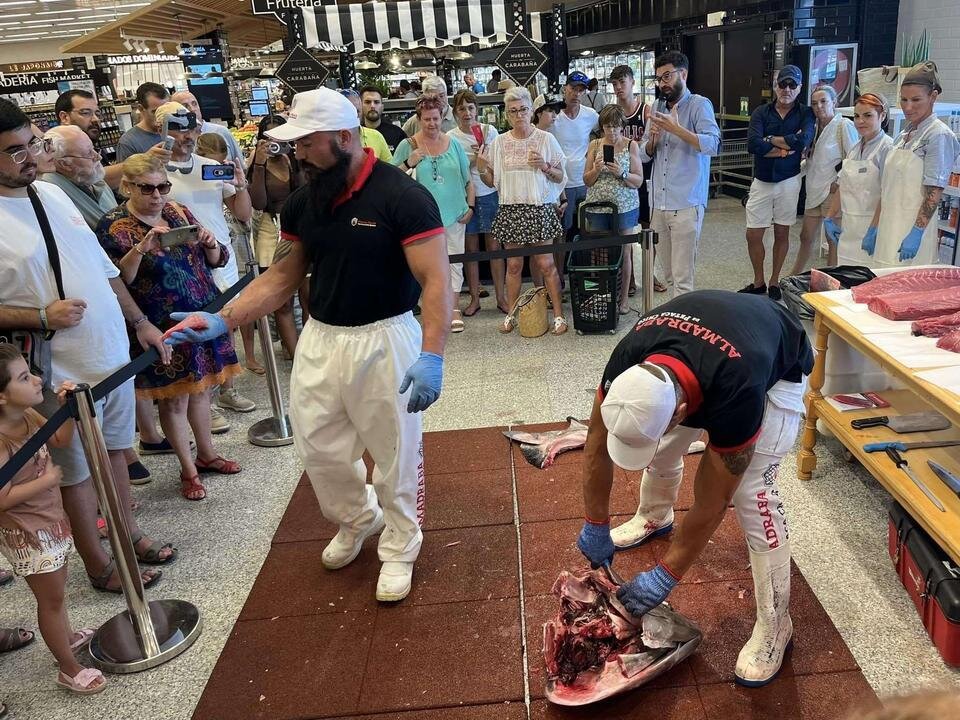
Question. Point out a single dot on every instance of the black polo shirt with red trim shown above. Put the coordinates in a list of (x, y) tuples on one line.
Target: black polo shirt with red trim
[(727, 350), (359, 271)]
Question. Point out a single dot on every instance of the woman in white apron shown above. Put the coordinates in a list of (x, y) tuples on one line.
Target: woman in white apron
[(859, 182), (913, 176), (835, 136)]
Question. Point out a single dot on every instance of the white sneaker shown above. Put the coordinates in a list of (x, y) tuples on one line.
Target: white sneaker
[(232, 400), (346, 544), (218, 423), (395, 581)]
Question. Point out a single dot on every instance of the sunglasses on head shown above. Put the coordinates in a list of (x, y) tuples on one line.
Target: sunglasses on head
[(787, 84), (147, 188)]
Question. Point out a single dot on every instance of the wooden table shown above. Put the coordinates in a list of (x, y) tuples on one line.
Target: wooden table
[(918, 395)]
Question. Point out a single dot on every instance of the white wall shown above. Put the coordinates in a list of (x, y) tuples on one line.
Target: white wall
[(941, 20), (35, 50)]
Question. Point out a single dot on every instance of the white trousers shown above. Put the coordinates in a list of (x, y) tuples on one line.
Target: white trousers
[(344, 399), (454, 235), (679, 238), (757, 501)]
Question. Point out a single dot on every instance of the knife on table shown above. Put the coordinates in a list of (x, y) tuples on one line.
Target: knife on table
[(949, 479), (903, 465), (904, 446)]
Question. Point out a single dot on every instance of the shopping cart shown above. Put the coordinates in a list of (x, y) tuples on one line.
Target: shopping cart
[(595, 278), (732, 167)]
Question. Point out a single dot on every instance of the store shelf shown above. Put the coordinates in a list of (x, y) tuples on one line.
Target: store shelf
[(947, 227), (943, 526)]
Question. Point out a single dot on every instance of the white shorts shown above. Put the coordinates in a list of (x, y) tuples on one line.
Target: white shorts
[(773, 203), (28, 560), (116, 415)]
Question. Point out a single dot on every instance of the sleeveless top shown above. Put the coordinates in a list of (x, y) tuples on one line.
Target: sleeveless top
[(609, 188)]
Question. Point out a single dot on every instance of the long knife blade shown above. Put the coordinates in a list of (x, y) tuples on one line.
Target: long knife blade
[(949, 479), (924, 489)]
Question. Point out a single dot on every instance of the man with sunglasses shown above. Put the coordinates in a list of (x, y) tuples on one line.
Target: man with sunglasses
[(79, 172), (779, 133)]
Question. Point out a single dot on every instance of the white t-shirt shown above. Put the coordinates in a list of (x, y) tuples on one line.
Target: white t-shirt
[(469, 144), (517, 182), (574, 137), (204, 198), (95, 348)]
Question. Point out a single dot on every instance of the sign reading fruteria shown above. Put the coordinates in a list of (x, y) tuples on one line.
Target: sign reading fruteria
[(301, 71), (278, 8), (521, 59)]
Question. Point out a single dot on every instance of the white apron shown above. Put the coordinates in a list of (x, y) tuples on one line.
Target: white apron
[(902, 194), (821, 165), (859, 194)]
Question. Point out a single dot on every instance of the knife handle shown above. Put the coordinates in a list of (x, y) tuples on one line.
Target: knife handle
[(879, 446), (869, 422), (895, 456)]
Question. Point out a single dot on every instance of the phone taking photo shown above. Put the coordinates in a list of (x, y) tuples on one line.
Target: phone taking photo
[(608, 153), (179, 236), (218, 172), (165, 134), (477, 133)]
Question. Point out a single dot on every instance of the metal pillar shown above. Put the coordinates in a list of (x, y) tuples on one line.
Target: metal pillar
[(348, 71), (296, 33), (648, 241), (146, 634), (520, 21), (558, 58), (272, 431)]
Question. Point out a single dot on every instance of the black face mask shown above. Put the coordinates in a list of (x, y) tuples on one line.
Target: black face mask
[(329, 184)]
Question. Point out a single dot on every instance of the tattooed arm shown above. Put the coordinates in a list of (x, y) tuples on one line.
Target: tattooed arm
[(717, 479), (931, 198)]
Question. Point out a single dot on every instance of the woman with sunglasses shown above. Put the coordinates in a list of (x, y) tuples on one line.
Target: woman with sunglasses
[(165, 279), (439, 164)]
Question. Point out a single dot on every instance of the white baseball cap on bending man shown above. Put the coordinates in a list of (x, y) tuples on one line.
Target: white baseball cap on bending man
[(317, 110), (637, 411)]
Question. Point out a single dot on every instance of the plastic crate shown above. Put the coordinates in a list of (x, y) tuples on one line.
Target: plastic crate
[(595, 289)]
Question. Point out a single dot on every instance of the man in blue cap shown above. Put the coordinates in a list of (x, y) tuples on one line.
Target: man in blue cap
[(780, 132)]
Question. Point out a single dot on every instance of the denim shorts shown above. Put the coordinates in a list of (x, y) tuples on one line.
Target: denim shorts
[(484, 211), (618, 222)]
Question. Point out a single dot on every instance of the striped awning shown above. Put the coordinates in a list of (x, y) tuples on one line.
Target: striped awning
[(409, 24)]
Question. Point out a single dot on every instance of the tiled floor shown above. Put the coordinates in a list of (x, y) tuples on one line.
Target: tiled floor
[(838, 523), (313, 643)]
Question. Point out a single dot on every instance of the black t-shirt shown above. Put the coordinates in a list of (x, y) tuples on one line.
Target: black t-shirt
[(360, 273), (393, 134), (726, 349), (634, 130)]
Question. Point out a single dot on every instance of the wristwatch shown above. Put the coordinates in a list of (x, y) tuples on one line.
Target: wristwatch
[(623, 175)]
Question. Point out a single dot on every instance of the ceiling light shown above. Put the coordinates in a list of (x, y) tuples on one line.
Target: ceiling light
[(160, 49), (127, 46), (367, 65), (585, 53)]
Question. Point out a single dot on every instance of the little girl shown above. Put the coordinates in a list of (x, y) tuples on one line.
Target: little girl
[(34, 530)]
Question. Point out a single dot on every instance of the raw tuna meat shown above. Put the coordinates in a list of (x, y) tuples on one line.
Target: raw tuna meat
[(950, 342), (907, 281), (937, 326), (595, 648), (917, 305)]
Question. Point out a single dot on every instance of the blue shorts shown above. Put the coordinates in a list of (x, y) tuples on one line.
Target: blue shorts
[(484, 211), (619, 222), (575, 196)]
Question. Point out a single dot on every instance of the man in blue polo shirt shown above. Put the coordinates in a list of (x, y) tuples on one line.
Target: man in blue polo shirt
[(372, 238), (779, 134)]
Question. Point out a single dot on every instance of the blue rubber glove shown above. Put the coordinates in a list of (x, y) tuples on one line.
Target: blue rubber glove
[(596, 544), (832, 229), (869, 243), (426, 377), (215, 326), (911, 244), (647, 590)]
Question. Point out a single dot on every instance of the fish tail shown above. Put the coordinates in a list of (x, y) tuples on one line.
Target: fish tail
[(534, 455)]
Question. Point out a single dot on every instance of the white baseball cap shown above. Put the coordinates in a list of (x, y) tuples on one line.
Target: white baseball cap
[(317, 110), (637, 410)]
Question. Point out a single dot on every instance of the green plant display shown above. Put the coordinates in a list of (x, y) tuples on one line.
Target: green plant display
[(915, 53)]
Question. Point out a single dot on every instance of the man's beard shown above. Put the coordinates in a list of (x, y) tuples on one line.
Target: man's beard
[(93, 177), (93, 132), (329, 184), (674, 92), (21, 179), (372, 116)]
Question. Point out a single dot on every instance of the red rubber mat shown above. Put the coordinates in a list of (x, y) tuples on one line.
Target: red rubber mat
[(310, 643)]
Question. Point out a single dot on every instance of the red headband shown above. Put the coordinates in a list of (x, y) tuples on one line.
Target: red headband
[(873, 100)]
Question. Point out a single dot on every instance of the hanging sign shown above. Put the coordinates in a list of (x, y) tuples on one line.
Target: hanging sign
[(33, 66), (301, 71), (521, 59), (279, 8)]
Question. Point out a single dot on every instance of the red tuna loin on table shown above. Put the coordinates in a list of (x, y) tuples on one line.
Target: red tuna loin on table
[(936, 326), (907, 281), (917, 305), (950, 342), (595, 648)]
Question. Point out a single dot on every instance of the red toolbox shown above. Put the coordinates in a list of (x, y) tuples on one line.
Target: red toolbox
[(931, 578)]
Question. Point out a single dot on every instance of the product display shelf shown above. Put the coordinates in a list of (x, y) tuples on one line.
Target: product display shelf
[(918, 395)]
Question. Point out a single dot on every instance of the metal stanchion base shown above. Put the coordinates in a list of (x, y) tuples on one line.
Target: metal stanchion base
[(270, 432), (115, 648)]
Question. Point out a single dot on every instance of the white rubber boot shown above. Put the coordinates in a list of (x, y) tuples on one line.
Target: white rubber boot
[(346, 544), (654, 515), (395, 581), (761, 658)]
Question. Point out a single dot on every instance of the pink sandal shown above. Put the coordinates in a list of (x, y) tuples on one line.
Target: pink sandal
[(83, 682), (84, 636)]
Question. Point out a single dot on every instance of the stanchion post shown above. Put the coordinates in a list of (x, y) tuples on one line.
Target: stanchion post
[(130, 641), (648, 240), (272, 431)]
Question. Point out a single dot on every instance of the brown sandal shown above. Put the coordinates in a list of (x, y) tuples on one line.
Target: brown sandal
[(192, 488), (151, 556), (218, 465), (6, 577), (15, 638), (149, 578)]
